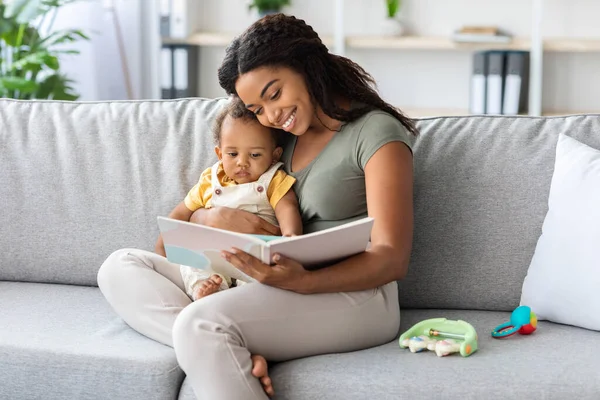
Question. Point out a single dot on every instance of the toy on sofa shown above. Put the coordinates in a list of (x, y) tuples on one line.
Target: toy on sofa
[(442, 336), (522, 320)]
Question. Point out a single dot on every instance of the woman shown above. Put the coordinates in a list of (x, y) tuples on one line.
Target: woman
[(350, 153)]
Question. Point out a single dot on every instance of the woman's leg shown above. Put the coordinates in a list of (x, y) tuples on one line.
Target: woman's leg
[(215, 336), (146, 290)]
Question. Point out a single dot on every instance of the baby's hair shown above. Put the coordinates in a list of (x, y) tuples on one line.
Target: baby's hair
[(236, 110)]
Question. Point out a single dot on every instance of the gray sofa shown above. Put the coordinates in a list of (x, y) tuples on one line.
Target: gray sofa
[(79, 180)]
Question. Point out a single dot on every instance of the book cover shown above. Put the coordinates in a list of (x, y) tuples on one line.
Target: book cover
[(200, 246)]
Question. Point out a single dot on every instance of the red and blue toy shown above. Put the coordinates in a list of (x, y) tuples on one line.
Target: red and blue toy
[(522, 320)]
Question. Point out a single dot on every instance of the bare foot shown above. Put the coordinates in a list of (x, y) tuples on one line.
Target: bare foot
[(260, 370), (207, 287)]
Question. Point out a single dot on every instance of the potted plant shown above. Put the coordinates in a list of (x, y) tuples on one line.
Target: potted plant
[(265, 7), (30, 50), (392, 25)]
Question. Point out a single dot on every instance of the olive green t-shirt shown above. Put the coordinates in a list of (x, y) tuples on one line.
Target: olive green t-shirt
[(331, 189)]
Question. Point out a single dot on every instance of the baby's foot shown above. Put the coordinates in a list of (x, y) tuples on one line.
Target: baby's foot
[(260, 370), (207, 287)]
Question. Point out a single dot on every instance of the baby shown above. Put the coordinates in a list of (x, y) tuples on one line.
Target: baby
[(247, 177)]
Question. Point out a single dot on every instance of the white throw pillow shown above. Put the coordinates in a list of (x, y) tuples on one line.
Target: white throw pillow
[(563, 281)]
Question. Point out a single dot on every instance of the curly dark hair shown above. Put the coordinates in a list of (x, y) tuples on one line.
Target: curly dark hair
[(280, 40), (236, 110)]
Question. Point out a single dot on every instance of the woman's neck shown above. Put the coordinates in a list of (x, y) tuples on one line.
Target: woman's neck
[(323, 123)]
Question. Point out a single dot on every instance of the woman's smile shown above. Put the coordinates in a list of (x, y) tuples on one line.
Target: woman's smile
[(290, 121)]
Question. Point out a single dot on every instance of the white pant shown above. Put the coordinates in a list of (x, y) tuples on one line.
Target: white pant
[(215, 336)]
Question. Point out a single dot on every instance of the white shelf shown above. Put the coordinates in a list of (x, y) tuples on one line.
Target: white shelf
[(413, 112), (216, 39), (202, 39), (536, 44), (566, 113), (450, 112), (428, 43), (575, 45), (411, 43)]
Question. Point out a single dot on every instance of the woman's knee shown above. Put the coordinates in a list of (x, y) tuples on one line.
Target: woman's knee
[(201, 324), (112, 266), (193, 320)]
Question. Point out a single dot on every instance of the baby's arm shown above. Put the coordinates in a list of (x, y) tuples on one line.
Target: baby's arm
[(180, 212), (288, 215)]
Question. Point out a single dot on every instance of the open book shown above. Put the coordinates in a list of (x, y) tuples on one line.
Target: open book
[(200, 246)]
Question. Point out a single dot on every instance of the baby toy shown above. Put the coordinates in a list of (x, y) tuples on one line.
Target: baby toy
[(441, 336), (522, 320)]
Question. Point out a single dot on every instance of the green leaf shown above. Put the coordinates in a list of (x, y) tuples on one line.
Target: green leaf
[(21, 84), (6, 24), (24, 11), (64, 36), (392, 7), (71, 52), (268, 5), (30, 59), (56, 87), (46, 87), (34, 69), (51, 62), (57, 3)]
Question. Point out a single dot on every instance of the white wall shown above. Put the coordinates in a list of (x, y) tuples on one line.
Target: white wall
[(435, 79), (415, 79), (97, 70)]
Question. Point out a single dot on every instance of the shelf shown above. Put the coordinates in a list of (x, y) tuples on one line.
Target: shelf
[(428, 43), (450, 112), (413, 112), (202, 39), (565, 113), (215, 39), (572, 45), (410, 43)]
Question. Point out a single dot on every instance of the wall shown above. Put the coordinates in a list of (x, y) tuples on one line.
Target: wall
[(435, 79), (97, 70)]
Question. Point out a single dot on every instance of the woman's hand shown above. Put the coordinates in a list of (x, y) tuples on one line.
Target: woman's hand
[(285, 274), (231, 219)]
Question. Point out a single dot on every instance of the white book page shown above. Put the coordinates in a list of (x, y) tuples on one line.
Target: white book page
[(326, 246), (200, 246)]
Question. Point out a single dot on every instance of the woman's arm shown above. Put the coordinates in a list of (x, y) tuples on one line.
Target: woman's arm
[(288, 215), (180, 212), (389, 186)]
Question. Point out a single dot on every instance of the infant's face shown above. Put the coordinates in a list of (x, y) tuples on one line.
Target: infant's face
[(247, 149)]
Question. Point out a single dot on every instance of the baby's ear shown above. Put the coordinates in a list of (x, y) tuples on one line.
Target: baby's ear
[(277, 154), (218, 151)]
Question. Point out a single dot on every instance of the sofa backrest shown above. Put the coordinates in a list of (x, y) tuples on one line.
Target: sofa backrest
[(80, 180), (481, 195)]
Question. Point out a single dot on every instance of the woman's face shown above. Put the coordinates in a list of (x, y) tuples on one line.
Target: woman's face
[(278, 97)]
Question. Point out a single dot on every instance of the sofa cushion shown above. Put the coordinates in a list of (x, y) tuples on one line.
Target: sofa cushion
[(555, 362), (80, 180), (64, 342), (564, 276), (481, 194)]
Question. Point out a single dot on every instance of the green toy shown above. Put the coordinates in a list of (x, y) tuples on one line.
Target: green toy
[(441, 335)]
